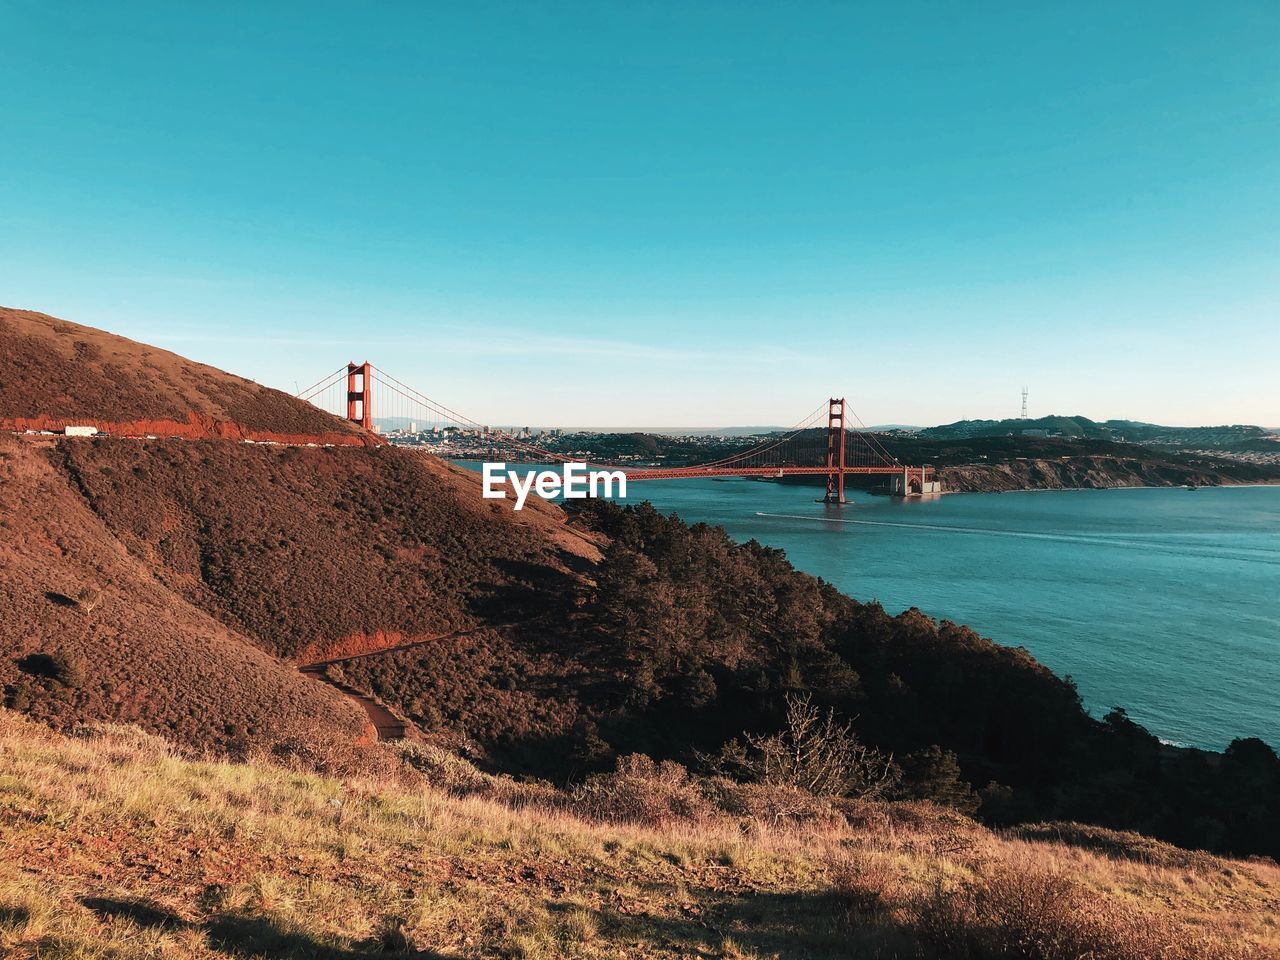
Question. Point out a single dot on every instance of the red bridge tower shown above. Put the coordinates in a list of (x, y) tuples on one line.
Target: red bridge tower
[(835, 451), (360, 400)]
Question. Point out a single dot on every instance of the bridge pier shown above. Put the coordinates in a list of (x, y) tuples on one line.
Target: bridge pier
[(914, 482)]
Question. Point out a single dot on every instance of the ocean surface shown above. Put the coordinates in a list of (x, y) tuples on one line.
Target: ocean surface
[(1163, 601)]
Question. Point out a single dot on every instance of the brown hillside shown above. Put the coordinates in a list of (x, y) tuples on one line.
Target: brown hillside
[(54, 373), (178, 583), (87, 633), (316, 553)]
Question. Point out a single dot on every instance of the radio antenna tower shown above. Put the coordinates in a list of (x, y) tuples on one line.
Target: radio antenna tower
[(1024, 403)]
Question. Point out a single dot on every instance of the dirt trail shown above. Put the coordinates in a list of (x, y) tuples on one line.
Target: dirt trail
[(386, 723), (391, 648), (410, 644)]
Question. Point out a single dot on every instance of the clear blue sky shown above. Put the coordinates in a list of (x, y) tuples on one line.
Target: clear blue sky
[(666, 213)]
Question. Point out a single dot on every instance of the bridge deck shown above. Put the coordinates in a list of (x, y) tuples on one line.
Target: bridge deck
[(677, 473)]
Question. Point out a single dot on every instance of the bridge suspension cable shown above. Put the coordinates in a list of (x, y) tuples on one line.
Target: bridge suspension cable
[(809, 446)]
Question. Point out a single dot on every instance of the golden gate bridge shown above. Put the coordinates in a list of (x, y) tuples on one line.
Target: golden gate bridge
[(821, 444)]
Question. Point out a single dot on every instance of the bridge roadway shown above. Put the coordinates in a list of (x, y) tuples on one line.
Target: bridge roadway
[(675, 473)]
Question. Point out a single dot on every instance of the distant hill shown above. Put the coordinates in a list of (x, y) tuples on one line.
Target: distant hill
[(740, 431), (401, 423), (1038, 462), (59, 373), (1233, 437)]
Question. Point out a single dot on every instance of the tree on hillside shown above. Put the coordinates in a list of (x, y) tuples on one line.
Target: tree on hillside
[(813, 752), (934, 774)]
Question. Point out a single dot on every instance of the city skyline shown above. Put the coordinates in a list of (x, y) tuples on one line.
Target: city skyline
[(651, 214)]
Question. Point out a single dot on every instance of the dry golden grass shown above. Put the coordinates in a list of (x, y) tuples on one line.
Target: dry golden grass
[(113, 846)]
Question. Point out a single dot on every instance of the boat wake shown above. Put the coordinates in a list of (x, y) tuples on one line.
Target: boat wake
[(1101, 540)]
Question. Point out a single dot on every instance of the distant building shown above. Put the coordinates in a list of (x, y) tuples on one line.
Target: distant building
[(81, 431), (413, 426)]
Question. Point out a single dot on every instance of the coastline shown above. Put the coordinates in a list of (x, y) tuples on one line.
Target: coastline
[(1069, 640), (1123, 486), (1088, 475)]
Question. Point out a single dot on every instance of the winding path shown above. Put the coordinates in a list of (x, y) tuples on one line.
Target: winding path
[(405, 645), (387, 724)]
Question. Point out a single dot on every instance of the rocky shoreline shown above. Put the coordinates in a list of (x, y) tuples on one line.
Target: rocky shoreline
[(1088, 473)]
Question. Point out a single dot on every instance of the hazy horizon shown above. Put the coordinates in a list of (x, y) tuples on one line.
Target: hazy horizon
[(727, 429), (654, 213)]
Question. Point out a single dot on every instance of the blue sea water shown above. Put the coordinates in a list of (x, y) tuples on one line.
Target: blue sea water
[(1163, 601)]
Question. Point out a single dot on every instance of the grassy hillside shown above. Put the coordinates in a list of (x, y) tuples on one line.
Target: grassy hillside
[(53, 372), (117, 848)]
